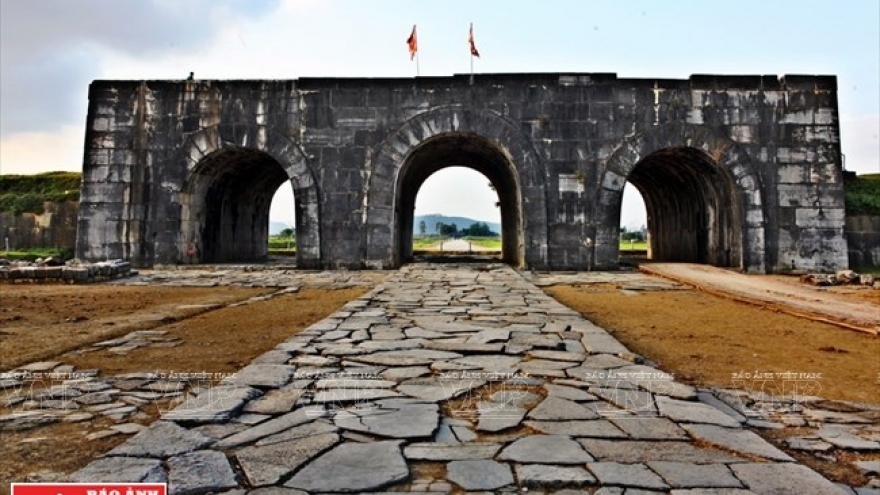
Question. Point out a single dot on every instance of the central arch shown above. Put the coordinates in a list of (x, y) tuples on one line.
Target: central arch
[(447, 136), (465, 150)]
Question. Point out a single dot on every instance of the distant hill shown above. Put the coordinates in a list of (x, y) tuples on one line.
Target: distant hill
[(460, 223), (275, 227)]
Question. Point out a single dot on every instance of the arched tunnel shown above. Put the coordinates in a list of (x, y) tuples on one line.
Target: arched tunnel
[(465, 150), (692, 206), (230, 192)]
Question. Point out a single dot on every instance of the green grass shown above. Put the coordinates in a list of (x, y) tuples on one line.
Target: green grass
[(862, 195), (282, 252), (493, 243), (276, 242), (425, 242), (32, 254), (27, 193), (635, 246)]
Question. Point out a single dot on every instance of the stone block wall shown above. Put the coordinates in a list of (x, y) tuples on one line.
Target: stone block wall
[(55, 227), (562, 146), (863, 240)]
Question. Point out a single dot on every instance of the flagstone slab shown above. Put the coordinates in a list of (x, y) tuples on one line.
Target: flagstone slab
[(549, 476), (276, 401), (634, 401), (438, 389), (693, 412), (516, 397), (465, 347), (770, 479), (162, 439), (691, 475), (546, 449), (845, 440), (317, 427), (434, 451), (491, 362), (629, 475), (569, 393), (495, 417), (575, 357), (405, 373), (352, 468), (628, 451), (406, 357), (273, 426), (396, 418), (737, 440), (199, 472), (352, 395), (558, 409), (602, 343), (479, 474), (596, 428), (213, 405), (267, 464), (121, 470), (647, 428)]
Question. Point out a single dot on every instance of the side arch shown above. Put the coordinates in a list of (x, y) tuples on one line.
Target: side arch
[(382, 195), (249, 143), (722, 152)]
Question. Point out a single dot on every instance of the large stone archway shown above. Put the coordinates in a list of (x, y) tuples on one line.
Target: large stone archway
[(232, 175), (449, 136), (467, 150), (754, 160), (701, 193)]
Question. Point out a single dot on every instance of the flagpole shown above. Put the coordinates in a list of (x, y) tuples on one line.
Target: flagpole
[(418, 70)]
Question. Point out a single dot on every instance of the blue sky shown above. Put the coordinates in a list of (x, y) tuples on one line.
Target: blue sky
[(51, 49)]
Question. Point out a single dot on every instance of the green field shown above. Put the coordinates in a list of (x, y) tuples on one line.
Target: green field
[(635, 246), (282, 245), (421, 243), (493, 243)]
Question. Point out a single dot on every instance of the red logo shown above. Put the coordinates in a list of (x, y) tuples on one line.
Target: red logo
[(89, 489)]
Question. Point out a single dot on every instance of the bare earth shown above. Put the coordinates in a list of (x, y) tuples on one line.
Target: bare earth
[(781, 293)]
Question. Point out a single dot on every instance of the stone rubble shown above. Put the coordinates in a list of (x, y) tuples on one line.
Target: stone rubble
[(54, 271), (328, 411)]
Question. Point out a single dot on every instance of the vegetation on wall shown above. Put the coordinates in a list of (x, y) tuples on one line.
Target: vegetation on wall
[(863, 195), (27, 193)]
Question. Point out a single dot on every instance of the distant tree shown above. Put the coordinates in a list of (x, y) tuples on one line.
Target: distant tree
[(423, 227), (479, 229), (438, 228), (449, 230), (288, 232)]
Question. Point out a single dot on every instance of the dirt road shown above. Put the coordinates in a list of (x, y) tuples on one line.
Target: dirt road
[(803, 300)]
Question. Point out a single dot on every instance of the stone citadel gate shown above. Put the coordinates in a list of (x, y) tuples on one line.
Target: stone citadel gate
[(736, 171)]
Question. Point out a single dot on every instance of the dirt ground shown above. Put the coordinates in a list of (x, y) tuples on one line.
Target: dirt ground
[(216, 341), (43, 321), (706, 340), (854, 306)]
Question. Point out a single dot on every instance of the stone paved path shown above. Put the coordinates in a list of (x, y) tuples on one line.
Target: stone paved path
[(449, 378)]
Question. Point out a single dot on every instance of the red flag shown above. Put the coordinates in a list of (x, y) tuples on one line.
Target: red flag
[(413, 43), (474, 51)]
